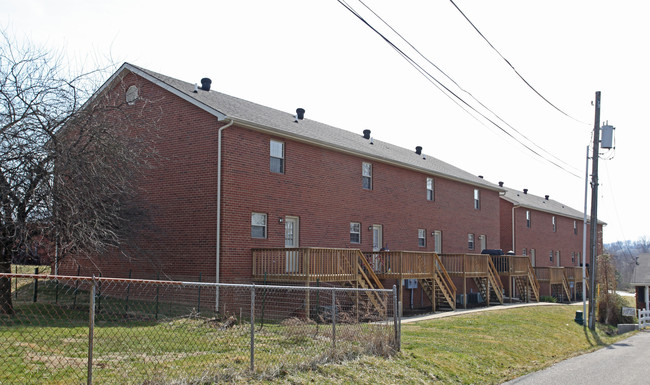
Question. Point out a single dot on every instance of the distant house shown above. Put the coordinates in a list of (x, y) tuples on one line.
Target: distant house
[(641, 281)]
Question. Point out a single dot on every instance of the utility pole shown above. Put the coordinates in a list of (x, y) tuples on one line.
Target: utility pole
[(594, 216)]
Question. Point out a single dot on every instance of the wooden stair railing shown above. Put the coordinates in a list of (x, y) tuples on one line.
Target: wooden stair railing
[(495, 281), (534, 283), (565, 286), (446, 292), (367, 279)]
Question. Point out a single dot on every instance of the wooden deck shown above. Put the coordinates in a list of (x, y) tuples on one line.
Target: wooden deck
[(480, 269), (517, 274), (351, 266), (305, 264), (554, 276)]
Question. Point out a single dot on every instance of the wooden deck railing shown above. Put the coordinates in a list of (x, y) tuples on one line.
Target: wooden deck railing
[(402, 264), (305, 264), (511, 264), (467, 265)]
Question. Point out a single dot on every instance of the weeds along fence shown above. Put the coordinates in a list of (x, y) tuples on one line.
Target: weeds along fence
[(129, 331)]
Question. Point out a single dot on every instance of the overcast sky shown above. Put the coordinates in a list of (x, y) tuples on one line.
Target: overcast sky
[(317, 55)]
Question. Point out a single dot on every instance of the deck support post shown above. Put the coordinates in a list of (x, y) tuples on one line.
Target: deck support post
[(487, 292), (306, 264), (510, 279)]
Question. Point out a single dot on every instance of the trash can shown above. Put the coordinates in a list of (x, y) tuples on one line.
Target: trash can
[(579, 319)]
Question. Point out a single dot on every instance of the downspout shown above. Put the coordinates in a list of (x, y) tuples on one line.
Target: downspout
[(514, 249), (218, 256)]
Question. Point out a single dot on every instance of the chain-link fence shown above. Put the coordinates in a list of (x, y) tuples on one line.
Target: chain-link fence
[(71, 330)]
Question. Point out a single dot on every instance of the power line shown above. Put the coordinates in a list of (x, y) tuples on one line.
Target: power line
[(511, 66), (461, 88), (448, 91)]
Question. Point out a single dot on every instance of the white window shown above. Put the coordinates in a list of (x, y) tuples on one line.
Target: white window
[(429, 189), (437, 241), (575, 227), (573, 257), (422, 237), (470, 241), (482, 241), (355, 232), (528, 218), (258, 225), (477, 200), (523, 252), (554, 224), (557, 257), (550, 255), (277, 156), (366, 174)]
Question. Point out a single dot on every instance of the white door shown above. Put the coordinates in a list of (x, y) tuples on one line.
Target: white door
[(532, 257), (377, 244), (291, 233), (483, 241)]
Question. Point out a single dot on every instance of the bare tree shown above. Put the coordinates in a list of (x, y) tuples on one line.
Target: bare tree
[(67, 159)]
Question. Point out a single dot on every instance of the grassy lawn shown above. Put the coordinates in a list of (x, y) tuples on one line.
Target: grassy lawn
[(51, 346), (478, 348)]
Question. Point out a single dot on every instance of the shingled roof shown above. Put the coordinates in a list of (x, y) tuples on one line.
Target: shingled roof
[(535, 202), (641, 274), (256, 116)]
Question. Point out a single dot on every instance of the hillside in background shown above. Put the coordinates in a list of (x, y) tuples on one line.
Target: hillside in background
[(625, 254)]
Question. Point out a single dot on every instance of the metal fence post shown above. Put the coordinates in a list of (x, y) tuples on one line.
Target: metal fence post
[(333, 321), (91, 331), (253, 328), (35, 285), (396, 320)]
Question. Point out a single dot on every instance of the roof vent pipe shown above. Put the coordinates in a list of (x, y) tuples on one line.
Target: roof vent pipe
[(500, 184), (366, 134), (480, 176), (300, 113), (546, 197), (525, 191), (418, 150), (205, 84)]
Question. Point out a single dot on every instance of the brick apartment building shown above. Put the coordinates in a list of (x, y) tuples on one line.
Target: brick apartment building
[(547, 231), (232, 175)]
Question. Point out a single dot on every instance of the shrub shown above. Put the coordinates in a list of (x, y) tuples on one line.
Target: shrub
[(548, 298)]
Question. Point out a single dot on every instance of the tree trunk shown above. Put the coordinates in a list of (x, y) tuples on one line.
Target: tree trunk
[(6, 306)]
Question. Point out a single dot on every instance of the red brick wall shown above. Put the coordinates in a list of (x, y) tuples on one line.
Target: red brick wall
[(324, 189), (321, 186), (541, 237)]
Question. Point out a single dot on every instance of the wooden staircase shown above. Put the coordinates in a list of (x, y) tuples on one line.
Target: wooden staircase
[(367, 279), (493, 282), (529, 285), (440, 289)]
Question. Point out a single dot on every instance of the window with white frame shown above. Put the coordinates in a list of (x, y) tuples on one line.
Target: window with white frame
[(554, 224), (437, 241), (258, 225), (575, 227), (422, 238), (470, 241), (429, 189), (528, 218), (573, 257), (366, 175), (277, 156), (524, 252), (557, 257), (355, 232), (550, 255), (477, 199)]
